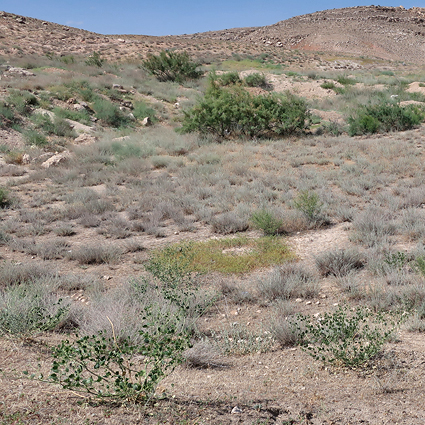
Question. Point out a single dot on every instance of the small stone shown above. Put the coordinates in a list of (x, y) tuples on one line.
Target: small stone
[(299, 300), (234, 313), (308, 303), (317, 302), (106, 277), (146, 122), (335, 304), (26, 159)]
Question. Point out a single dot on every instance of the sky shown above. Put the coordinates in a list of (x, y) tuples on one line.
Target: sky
[(165, 17)]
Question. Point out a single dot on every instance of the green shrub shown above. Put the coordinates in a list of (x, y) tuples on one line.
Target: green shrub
[(34, 138), (119, 370), (346, 337), (229, 78), (141, 111), (346, 81), (267, 222), (327, 85), (384, 117), (95, 60), (80, 116), (58, 126), (22, 101), (256, 80), (109, 113), (310, 205), (172, 66), (4, 198), (7, 116), (232, 111)]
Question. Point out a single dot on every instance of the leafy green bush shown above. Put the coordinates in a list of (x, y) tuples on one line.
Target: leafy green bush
[(172, 66), (267, 222), (346, 81), (256, 80), (346, 337), (95, 60), (384, 117), (232, 111), (109, 113), (119, 370), (58, 126)]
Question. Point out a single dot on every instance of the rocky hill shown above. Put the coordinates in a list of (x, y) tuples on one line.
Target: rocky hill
[(390, 33), (393, 33)]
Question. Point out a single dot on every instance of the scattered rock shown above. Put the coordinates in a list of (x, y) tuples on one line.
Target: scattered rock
[(20, 72), (236, 410), (85, 139), (26, 159)]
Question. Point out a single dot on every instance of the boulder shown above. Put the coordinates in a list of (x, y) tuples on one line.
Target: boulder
[(146, 122), (56, 159), (85, 139)]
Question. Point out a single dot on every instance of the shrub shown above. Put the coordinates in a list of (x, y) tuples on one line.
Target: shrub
[(95, 254), (4, 198), (256, 80), (7, 116), (172, 66), (141, 110), (346, 337), (22, 101), (309, 204), (30, 308), (109, 113), (95, 60), (229, 222), (339, 262), (34, 138), (229, 78), (233, 111), (267, 222), (384, 117), (288, 281), (120, 371)]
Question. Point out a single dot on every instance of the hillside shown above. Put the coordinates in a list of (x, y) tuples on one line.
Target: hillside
[(390, 33)]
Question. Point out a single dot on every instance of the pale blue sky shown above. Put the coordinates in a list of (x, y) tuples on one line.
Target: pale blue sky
[(162, 17)]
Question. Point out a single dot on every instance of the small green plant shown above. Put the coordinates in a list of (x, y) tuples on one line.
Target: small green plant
[(172, 66), (256, 80), (310, 205), (346, 81), (229, 78), (34, 138), (347, 337), (95, 59), (109, 113), (120, 371), (328, 85), (4, 198), (420, 264), (267, 222), (396, 260)]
